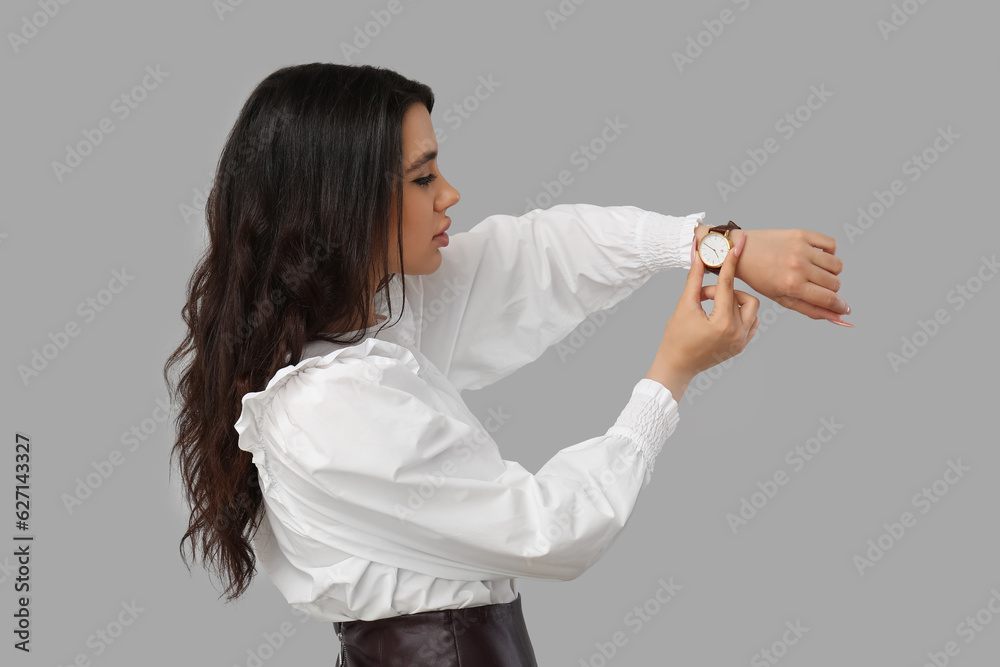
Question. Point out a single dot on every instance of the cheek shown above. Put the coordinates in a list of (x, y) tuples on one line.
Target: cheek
[(423, 255)]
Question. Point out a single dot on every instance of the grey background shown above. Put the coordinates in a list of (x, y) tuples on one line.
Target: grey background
[(686, 129)]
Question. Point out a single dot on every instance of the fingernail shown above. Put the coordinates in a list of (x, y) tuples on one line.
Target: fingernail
[(843, 324), (693, 250), (848, 310)]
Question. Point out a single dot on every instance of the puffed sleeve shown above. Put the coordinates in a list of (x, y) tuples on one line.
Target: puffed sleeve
[(358, 454), (511, 287)]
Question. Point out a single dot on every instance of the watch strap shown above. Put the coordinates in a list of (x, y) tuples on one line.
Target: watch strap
[(721, 229)]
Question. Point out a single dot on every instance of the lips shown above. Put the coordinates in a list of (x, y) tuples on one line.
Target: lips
[(445, 228)]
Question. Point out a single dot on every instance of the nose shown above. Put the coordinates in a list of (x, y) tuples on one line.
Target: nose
[(449, 195)]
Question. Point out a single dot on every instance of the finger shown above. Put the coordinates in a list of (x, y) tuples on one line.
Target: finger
[(695, 278), (820, 296), (820, 276), (817, 240), (747, 304), (741, 297), (749, 329), (744, 299), (826, 261), (748, 307), (809, 310), (724, 295)]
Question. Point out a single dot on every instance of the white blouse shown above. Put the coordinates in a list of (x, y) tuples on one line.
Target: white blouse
[(385, 495)]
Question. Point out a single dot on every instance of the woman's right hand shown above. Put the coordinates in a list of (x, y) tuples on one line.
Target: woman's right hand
[(694, 341)]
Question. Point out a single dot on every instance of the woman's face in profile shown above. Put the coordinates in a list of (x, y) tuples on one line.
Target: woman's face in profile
[(426, 197)]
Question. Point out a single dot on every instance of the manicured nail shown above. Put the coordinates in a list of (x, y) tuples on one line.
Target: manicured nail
[(848, 310), (843, 324)]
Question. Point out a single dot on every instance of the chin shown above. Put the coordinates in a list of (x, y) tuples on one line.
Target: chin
[(431, 265), (435, 263)]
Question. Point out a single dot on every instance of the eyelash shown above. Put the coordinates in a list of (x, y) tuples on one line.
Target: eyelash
[(426, 180)]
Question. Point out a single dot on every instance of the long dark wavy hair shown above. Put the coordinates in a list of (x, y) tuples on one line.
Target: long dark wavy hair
[(298, 221)]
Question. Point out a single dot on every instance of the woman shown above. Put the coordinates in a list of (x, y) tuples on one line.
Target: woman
[(355, 474)]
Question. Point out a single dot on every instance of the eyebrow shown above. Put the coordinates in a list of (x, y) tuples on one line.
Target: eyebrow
[(421, 161)]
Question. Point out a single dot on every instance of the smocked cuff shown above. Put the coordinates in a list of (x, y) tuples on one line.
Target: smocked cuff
[(649, 418), (664, 241)]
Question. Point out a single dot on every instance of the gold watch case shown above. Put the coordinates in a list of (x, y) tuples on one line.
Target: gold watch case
[(714, 242)]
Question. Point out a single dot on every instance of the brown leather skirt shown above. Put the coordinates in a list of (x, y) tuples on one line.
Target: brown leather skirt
[(492, 635)]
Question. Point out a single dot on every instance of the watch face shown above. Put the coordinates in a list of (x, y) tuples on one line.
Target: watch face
[(713, 249)]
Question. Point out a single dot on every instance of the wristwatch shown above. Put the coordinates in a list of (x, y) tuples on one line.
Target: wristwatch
[(715, 245)]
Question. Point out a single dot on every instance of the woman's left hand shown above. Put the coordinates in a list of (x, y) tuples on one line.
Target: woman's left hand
[(796, 268)]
